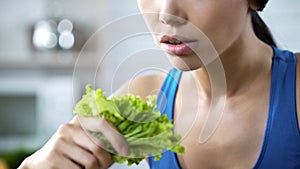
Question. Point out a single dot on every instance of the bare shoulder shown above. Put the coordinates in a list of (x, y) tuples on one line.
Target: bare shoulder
[(143, 85), (298, 87)]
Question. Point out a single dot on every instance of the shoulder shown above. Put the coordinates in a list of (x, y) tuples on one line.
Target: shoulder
[(298, 57), (298, 87), (143, 85)]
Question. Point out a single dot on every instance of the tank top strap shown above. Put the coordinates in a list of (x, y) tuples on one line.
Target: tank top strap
[(167, 94), (165, 103), (281, 145)]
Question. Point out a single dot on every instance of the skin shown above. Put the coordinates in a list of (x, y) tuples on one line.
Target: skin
[(237, 141)]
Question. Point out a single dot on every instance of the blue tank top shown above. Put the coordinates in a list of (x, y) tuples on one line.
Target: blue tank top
[(281, 143)]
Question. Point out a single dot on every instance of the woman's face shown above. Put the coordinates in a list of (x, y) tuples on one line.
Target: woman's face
[(186, 28)]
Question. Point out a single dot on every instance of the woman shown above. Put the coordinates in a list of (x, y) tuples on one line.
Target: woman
[(259, 126)]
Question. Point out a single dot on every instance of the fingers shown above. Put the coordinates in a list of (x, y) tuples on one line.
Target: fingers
[(63, 163), (93, 145), (103, 158), (81, 156), (76, 146), (111, 134)]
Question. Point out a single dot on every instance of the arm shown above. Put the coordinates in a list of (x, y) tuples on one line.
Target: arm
[(72, 145), (143, 86)]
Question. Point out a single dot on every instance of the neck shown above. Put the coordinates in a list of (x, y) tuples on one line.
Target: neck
[(245, 62)]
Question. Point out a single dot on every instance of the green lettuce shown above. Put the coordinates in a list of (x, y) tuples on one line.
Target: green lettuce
[(146, 131)]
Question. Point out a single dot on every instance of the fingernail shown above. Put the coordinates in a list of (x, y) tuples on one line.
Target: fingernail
[(124, 151)]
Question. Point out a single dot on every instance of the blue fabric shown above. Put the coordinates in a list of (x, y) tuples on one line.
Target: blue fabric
[(165, 103), (281, 144)]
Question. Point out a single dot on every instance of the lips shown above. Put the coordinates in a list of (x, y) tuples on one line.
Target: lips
[(177, 45)]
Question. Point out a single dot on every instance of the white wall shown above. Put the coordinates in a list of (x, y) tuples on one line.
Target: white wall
[(283, 18), (18, 17)]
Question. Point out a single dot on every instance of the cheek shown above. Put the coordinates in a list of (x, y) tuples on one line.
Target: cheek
[(221, 23), (150, 11), (140, 5), (147, 6)]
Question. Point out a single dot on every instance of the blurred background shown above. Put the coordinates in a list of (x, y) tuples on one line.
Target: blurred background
[(40, 80)]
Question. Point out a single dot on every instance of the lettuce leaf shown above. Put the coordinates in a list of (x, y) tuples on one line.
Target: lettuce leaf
[(146, 131)]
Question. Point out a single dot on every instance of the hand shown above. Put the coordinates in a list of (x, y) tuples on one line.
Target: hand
[(72, 146)]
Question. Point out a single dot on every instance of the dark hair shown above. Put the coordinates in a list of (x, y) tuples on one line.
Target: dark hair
[(261, 4), (260, 28)]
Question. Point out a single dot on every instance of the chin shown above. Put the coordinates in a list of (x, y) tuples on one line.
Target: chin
[(185, 68), (186, 64)]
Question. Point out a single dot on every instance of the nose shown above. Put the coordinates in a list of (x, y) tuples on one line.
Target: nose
[(171, 13)]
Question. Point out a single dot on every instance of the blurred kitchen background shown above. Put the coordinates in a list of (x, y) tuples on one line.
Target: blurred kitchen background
[(40, 80)]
